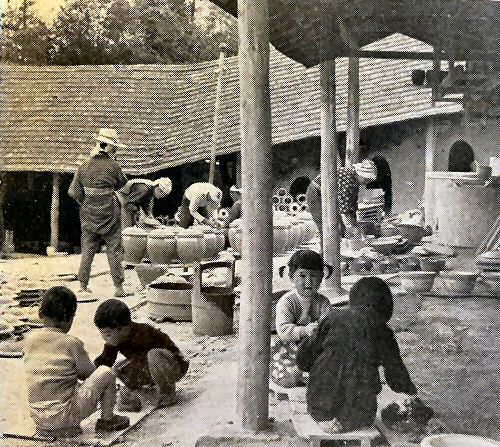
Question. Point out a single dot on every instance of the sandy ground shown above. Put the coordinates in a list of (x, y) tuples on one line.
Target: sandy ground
[(452, 348)]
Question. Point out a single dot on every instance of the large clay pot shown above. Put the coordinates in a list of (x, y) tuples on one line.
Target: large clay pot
[(134, 244), (210, 241), (169, 297), (306, 217), (161, 245), (295, 233), (220, 243), (281, 229), (190, 245), (235, 235)]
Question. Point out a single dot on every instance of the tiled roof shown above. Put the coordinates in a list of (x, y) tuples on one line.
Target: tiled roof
[(49, 115)]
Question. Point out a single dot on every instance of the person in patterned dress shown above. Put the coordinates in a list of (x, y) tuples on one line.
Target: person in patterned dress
[(349, 181)]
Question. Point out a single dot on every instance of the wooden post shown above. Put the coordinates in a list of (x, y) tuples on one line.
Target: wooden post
[(329, 176), (430, 144), (352, 132), (54, 212), (256, 155), (215, 129), (430, 151), (238, 169)]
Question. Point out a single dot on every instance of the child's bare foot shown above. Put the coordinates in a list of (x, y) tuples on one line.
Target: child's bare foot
[(116, 423)]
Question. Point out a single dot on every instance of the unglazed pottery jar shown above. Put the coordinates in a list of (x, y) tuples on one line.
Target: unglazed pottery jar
[(190, 245), (161, 245), (134, 244)]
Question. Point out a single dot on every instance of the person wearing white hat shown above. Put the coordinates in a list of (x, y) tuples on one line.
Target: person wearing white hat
[(137, 199), (349, 181), (200, 203), (93, 187)]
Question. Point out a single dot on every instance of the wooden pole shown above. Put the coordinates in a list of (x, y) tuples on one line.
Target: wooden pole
[(256, 155), (329, 176), (54, 212), (352, 133), (430, 144), (215, 129)]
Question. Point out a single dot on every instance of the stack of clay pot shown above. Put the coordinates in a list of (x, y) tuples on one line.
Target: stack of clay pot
[(281, 231), (235, 235), (134, 244), (308, 223), (190, 245), (210, 241), (162, 244)]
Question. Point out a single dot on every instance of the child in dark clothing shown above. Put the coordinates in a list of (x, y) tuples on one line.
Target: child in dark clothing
[(151, 357), (343, 356)]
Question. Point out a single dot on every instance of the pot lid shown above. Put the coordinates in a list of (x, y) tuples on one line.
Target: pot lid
[(134, 231), (170, 278), (190, 232), (205, 228), (162, 233)]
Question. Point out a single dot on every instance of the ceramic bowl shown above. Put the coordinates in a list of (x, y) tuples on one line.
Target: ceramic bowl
[(414, 233), (432, 265), (457, 440), (459, 283), (491, 280), (417, 281)]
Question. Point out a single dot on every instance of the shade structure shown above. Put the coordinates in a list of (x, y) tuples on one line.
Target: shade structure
[(470, 29)]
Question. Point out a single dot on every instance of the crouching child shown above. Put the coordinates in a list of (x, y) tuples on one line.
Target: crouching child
[(151, 357), (64, 386), (343, 356)]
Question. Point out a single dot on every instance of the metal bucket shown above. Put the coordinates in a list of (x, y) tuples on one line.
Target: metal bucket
[(213, 311)]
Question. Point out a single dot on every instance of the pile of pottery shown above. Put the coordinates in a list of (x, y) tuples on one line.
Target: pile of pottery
[(289, 232), (165, 244)]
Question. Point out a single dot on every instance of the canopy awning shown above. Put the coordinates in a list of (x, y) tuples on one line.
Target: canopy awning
[(468, 29)]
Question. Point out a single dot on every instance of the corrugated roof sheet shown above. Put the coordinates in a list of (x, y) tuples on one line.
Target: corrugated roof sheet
[(50, 115)]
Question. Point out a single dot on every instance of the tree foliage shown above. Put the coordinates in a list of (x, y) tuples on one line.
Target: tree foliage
[(116, 32)]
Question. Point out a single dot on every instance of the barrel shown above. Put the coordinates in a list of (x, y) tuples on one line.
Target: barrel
[(213, 311), (169, 301)]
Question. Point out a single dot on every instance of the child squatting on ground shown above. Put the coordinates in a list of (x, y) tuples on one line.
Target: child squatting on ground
[(151, 357), (297, 315), (343, 356), (64, 386)]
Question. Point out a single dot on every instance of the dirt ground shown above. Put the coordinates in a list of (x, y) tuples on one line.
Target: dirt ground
[(451, 347)]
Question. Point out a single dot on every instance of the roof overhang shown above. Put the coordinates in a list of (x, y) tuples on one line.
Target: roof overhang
[(464, 29)]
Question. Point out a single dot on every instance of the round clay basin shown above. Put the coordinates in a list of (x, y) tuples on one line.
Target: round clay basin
[(414, 233), (491, 280), (460, 283), (416, 281), (432, 265), (455, 440)]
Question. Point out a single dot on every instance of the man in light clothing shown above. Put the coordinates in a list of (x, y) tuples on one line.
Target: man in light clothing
[(200, 203)]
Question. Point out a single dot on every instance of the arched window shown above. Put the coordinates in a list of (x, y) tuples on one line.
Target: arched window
[(461, 157), (384, 181)]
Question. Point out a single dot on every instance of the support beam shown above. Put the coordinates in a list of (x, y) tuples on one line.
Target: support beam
[(256, 291), (215, 128), (352, 131), (430, 144), (54, 212), (329, 176)]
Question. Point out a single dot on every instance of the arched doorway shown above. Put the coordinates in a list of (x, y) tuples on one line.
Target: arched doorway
[(384, 181), (461, 157), (299, 186)]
